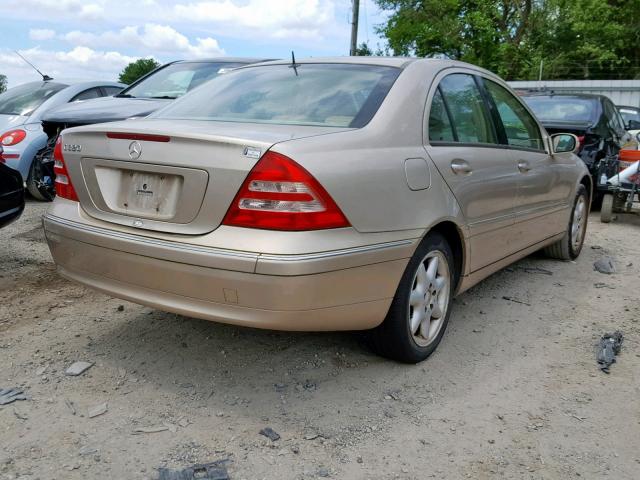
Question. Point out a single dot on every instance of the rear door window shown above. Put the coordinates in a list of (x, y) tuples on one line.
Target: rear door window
[(110, 91), (629, 114), (440, 128), (87, 95), (520, 127), (468, 113)]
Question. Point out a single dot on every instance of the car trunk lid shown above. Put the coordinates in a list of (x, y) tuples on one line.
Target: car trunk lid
[(133, 173), (7, 122)]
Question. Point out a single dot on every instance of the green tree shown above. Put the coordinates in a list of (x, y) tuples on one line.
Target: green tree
[(573, 38), (363, 50), (3, 83), (591, 39), (137, 69), (490, 33)]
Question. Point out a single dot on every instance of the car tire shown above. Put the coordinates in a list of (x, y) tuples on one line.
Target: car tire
[(35, 182), (606, 211), (570, 246), (397, 338)]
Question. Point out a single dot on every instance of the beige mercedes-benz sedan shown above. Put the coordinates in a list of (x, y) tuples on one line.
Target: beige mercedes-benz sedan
[(328, 194)]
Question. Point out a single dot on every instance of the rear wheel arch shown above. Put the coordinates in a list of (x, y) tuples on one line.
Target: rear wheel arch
[(454, 237), (587, 181)]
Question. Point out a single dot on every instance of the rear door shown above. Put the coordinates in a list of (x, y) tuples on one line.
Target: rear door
[(545, 182), (462, 141)]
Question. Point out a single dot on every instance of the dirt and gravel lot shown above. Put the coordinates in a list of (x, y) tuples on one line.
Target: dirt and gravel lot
[(513, 391)]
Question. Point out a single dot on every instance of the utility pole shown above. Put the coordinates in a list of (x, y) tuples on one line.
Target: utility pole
[(354, 27), (541, 66), (540, 74)]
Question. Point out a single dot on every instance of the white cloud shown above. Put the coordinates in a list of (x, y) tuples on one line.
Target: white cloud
[(41, 34), (91, 12), (154, 38), (97, 31), (57, 8), (281, 19), (80, 63)]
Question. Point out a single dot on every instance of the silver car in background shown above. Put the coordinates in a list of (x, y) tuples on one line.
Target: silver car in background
[(329, 194), (21, 133)]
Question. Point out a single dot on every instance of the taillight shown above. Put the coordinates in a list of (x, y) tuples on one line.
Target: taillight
[(279, 194), (64, 187), (12, 137), (580, 142), (139, 136)]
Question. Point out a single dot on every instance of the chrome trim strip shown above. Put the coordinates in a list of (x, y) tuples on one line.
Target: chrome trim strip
[(223, 252), (334, 253), (149, 241)]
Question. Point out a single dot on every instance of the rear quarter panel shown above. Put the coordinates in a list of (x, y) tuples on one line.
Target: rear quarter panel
[(364, 170)]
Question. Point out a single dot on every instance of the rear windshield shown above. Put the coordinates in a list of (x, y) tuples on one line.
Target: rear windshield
[(23, 100), (177, 79), (629, 114), (334, 95), (562, 109)]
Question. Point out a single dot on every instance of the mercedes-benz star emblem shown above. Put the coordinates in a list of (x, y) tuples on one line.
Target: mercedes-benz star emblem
[(134, 150)]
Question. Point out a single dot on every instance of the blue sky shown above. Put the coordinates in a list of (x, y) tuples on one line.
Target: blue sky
[(95, 39)]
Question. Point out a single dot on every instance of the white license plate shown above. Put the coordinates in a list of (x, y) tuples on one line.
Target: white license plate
[(149, 194)]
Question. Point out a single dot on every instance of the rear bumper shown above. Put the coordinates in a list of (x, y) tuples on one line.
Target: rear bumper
[(12, 158), (346, 289)]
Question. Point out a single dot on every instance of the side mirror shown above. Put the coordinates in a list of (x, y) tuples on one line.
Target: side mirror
[(633, 125), (564, 143)]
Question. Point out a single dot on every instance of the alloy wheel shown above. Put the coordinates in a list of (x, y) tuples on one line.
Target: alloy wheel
[(579, 223), (429, 298)]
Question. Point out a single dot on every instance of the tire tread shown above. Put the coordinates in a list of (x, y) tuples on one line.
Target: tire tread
[(561, 250), (389, 339)]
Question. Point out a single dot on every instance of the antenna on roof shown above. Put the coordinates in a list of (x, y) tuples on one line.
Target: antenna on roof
[(45, 78), (294, 65)]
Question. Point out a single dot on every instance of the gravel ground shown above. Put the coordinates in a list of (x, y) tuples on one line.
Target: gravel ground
[(513, 391)]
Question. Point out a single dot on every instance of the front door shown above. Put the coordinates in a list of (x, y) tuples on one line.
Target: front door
[(545, 182)]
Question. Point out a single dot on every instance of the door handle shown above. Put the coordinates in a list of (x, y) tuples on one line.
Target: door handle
[(460, 167), (524, 166)]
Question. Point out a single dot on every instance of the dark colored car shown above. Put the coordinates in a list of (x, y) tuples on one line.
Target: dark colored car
[(594, 119), (631, 117), (11, 193), (144, 96)]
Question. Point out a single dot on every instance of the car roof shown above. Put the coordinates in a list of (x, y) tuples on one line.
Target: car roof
[(382, 61), (225, 60), (629, 107), (584, 96), (74, 82), (89, 83), (398, 62)]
